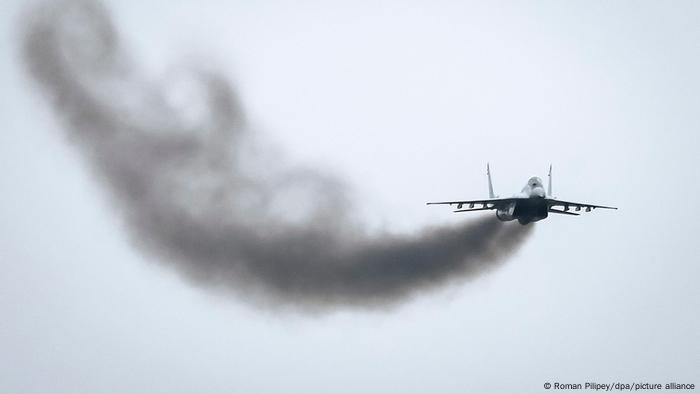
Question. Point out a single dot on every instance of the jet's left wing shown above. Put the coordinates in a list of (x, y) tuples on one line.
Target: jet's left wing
[(484, 205), (551, 202)]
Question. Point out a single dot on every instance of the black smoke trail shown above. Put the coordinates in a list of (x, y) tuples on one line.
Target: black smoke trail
[(200, 194)]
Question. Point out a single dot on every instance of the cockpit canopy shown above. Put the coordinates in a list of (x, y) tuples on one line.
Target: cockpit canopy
[(535, 182)]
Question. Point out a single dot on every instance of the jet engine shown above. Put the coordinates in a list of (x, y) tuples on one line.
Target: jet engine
[(505, 213)]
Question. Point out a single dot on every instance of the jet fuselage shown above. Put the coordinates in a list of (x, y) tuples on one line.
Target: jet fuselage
[(529, 206)]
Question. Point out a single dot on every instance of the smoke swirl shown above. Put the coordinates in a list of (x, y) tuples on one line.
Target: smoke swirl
[(198, 192)]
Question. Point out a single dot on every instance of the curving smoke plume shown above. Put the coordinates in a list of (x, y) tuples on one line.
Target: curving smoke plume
[(197, 191)]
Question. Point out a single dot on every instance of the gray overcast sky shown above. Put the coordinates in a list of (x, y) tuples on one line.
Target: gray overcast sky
[(407, 101)]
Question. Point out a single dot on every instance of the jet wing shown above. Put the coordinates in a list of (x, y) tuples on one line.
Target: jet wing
[(568, 205), (476, 205)]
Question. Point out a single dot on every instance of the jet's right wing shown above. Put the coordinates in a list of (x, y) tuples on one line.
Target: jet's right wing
[(551, 202), (491, 203)]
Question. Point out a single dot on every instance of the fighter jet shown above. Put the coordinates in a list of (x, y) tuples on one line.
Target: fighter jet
[(532, 204)]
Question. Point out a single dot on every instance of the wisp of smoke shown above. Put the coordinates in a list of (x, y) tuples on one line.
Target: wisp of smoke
[(199, 193)]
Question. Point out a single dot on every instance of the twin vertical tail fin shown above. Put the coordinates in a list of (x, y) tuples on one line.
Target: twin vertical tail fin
[(488, 173), (492, 195)]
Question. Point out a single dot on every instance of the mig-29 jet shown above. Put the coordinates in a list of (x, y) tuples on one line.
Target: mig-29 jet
[(530, 205)]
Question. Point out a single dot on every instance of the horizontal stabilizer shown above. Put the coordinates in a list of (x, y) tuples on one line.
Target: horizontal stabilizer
[(473, 209), (563, 212), (566, 204)]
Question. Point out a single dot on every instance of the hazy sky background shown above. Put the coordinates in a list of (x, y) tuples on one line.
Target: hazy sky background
[(407, 101)]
